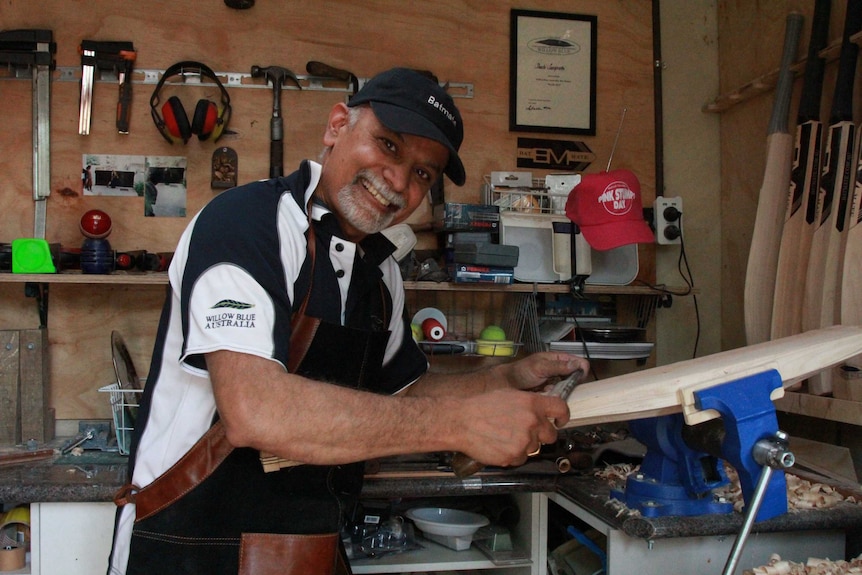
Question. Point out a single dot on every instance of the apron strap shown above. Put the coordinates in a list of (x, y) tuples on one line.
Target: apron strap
[(302, 326), (192, 468)]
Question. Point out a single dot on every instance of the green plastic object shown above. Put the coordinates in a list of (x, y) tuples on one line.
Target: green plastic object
[(31, 256)]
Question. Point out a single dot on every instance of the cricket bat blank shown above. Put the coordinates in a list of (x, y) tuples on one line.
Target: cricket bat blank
[(804, 183), (669, 389), (851, 279), (766, 237), (821, 300)]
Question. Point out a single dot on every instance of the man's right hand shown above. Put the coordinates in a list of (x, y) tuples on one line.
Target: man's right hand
[(502, 427)]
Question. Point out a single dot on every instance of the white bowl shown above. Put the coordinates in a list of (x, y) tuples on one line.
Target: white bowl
[(442, 521)]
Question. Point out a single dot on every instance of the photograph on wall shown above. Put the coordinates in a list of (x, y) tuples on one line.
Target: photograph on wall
[(159, 180), (110, 175), (165, 187)]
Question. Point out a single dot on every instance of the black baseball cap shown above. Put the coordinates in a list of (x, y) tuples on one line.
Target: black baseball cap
[(406, 101)]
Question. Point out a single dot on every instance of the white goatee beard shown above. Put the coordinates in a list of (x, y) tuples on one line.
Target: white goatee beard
[(367, 221)]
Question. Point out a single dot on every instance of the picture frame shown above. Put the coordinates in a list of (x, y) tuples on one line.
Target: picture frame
[(552, 72)]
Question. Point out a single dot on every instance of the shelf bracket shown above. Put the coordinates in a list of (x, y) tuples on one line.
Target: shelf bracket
[(40, 292)]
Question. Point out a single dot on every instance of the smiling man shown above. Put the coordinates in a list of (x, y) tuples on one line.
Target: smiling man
[(284, 331)]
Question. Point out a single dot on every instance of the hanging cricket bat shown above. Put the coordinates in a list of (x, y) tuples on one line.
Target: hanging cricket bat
[(851, 279), (766, 237), (823, 280), (804, 182)]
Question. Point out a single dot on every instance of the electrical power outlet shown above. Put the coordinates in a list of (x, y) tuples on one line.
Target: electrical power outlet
[(668, 220)]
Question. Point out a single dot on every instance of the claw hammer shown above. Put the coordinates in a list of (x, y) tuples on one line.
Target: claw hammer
[(277, 75)]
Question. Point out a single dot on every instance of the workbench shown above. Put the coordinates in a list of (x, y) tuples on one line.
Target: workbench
[(634, 544)]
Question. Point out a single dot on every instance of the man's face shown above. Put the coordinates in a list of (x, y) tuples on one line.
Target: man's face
[(373, 177)]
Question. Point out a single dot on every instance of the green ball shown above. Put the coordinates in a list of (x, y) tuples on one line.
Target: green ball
[(416, 331), (493, 333)]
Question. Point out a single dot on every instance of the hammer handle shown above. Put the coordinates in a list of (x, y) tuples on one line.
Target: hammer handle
[(276, 158)]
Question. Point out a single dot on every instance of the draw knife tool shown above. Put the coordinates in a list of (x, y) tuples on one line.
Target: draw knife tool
[(464, 466)]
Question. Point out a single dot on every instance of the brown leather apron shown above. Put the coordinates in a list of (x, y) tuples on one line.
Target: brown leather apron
[(217, 511)]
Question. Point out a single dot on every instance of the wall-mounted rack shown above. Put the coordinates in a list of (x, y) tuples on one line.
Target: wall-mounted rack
[(767, 82), (230, 80)]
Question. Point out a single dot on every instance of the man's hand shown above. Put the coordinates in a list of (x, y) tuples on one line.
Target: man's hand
[(540, 369), (502, 427)]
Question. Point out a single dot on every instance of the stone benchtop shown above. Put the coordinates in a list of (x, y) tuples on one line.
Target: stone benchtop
[(98, 477), (67, 479)]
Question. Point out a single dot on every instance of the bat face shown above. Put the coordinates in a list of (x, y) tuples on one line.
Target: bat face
[(855, 207), (798, 230), (851, 279)]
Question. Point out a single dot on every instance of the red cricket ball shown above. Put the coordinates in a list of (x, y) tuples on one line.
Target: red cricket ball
[(95, 224)]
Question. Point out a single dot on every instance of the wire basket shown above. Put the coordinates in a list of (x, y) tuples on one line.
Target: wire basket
[(535, 199), (124, 407)]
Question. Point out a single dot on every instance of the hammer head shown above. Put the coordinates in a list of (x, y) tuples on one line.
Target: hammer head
[(275, 74)]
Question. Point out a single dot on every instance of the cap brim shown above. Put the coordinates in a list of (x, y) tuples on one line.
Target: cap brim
[(404, 121), (616, 234)]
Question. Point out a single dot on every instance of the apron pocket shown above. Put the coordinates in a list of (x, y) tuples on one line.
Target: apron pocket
[(158, 552), (271, 554)]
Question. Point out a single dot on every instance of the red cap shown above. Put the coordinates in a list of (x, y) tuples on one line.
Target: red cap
[(607, 207)]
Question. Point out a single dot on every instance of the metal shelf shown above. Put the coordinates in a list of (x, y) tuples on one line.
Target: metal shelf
[(161, 278)]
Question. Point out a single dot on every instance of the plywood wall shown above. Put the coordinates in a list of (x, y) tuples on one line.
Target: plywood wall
[(459, 40)]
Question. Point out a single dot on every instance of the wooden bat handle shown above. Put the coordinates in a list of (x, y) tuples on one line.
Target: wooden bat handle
[(784, 89), (842, 98), (812, 85)]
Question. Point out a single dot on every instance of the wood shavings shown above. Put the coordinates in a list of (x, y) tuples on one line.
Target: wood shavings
[(801, 493), (619, 508), (616, 473), (814, 566)]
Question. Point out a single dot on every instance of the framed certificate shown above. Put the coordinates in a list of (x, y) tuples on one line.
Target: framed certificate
[(552, 74)]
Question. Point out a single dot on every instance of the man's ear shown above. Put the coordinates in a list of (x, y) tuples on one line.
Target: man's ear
[(339, 118)]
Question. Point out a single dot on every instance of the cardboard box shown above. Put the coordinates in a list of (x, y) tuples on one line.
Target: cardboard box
[(467, 273), (487, 254), (457, 217)]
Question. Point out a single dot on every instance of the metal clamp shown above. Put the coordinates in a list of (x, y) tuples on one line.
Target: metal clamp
[(772, 453)]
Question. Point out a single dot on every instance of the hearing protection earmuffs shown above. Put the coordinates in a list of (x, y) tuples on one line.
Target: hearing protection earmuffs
[(209, 120)]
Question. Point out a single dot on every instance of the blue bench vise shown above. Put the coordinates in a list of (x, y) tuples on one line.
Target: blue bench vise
[(683, 465)]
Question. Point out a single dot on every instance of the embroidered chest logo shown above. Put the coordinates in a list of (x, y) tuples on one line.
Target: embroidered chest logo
[(230, 313)]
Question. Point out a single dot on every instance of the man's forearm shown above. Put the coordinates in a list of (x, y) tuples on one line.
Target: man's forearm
[(309, 421), (457, 384)]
